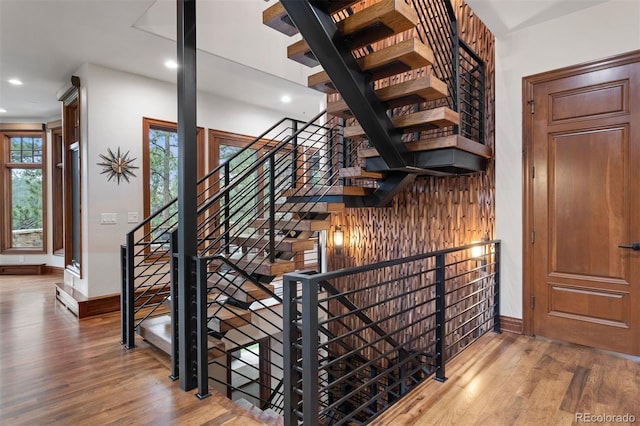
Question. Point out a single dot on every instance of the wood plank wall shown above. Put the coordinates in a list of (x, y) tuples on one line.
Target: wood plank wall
[(435, 212), (432, 214)]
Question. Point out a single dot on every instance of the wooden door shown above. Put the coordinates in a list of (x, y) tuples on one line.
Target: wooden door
[(584, 188)]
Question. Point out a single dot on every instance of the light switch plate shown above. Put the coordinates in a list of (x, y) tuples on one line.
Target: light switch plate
[(109, 218), (132, 217)]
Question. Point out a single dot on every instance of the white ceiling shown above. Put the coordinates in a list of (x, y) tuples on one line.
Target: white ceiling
[(43, 42), (505, 16)]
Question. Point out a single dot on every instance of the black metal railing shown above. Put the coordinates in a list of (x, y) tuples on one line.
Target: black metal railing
[(244, 226), (248, 226), (367, 335), (223, 210), (456, 64)]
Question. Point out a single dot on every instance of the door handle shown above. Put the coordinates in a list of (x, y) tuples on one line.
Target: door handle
[(632, 246)]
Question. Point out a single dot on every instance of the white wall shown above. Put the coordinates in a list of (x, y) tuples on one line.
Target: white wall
[(115, 104), (601, 31)]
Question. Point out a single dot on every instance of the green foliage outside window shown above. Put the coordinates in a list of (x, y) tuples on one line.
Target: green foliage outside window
[(163, 175)]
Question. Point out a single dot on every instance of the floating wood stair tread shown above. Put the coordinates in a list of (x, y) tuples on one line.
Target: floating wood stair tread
[(404, 56), (285, 225), (418, 121), (276, 17), (246, 292), (157, 331), (453, 141), (216, 348), (387, 17), (310, 207), (261, 242), (313, 191), (372, 24), (409, 92), (253, 263), (227, 317), (300, 52), (217, 280), (359, 173)]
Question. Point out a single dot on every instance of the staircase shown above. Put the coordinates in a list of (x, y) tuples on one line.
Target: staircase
[(262, 218), (431, 106)]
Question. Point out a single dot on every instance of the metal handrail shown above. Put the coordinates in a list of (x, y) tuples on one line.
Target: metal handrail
[(452, 298)]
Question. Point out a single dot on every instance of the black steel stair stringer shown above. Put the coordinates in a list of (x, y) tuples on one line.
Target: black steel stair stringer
[(334, 53)]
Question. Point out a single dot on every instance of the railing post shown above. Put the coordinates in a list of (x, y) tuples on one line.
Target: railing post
[(203, 341), (173, 291), (187, 185), (272, 208), (227, 209), (343, 151), (481, 107), (310, 351), (290, 352), (130, 294), (124, 302), (294, 154), (496, 290), (440, 320)]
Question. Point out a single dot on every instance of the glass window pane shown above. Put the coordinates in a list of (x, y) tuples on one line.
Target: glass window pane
[(163, 179), (163, 176), (26, 208), (24, 149), (37, 143)]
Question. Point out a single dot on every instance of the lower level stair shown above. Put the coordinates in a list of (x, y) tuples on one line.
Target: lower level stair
[(157, 331), (256, 264), (226, 317), (240, 289), (268, 416)]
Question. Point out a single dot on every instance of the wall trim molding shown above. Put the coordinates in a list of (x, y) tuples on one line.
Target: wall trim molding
[(55, 270), (511, 325)]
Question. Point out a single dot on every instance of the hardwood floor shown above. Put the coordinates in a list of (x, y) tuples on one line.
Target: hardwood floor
[(56, 369), (507, 379)]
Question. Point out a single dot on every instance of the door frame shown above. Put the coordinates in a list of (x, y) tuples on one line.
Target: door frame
[(528, 84)]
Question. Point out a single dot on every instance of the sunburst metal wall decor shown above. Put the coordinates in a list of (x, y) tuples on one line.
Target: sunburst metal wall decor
[(117, 165)]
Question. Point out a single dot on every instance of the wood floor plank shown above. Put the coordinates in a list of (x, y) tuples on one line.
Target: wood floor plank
[(516, 380), (56, 369)]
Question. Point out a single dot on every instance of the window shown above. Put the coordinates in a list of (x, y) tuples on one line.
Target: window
[(160, 174), (23, 190), (57, 183)]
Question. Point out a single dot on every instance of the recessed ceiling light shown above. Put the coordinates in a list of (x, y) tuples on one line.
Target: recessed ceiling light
[(15, 82), (171, 64), (286, 99), (2, 110)]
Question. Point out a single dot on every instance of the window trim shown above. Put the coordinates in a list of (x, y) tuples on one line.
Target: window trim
[(170, 126), (5, 185)]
